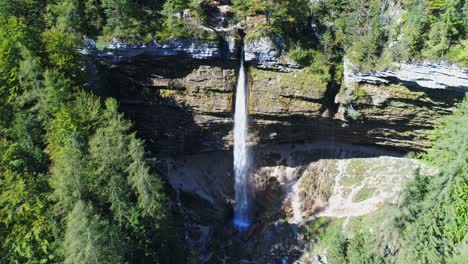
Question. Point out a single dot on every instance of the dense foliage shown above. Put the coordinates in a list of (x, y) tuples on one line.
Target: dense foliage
[(371, 33), (127, 21), (75, 186), (434, 211), (375, 33)]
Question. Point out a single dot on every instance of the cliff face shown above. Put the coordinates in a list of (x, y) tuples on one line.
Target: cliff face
[(180, 94), (181, 98)]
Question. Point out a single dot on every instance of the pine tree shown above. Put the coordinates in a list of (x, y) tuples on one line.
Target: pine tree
[(148, 187), (173, 24), (435, 208), (337, 251), (119, 17), (29, 71), (69, 177), (15, 38), (62, 50), (24, 220), (360, 250), (89, 239), (108, 150), (56, 92), (70, 16)]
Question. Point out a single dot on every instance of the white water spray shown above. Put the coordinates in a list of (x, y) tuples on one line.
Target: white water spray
[(241, 152)]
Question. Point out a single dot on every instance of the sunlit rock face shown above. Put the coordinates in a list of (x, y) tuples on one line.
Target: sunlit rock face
[(418, 76), (294, 184), (264, 53)]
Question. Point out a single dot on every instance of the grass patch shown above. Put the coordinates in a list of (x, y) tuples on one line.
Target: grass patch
[(364, 194), (305, 82), (375, 221), (316, 227)]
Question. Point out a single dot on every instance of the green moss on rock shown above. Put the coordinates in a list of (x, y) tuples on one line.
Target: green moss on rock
[(403, 92), (165, 93), (291, 92), (303, 83), (364, 193)]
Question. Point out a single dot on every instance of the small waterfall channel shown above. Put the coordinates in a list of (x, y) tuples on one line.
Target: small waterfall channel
[(242, 155)]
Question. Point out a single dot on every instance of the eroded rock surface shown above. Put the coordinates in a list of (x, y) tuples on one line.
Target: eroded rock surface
[(117, 51), (419, 76), (264, 53), (182, 105), (395, 111)]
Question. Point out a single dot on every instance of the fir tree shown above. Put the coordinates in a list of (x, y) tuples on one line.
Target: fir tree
[(89, 239)]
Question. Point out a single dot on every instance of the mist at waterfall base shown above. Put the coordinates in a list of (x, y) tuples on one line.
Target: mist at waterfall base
[(242, 159)]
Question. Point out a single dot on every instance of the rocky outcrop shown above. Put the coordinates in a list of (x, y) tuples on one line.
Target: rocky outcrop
[(117, 51), (419, 76), (182, 105), (263, 51), (264, 54), (219, 14), (400, 107), (177, 105), (186, 106), (284, 94)]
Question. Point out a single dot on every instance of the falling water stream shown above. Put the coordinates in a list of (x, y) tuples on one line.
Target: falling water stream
[(241, 152)]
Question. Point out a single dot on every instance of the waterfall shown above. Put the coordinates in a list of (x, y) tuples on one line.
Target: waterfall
[(241, 152)]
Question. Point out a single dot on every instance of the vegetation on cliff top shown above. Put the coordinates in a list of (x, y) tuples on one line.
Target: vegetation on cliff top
[(371, 33)]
